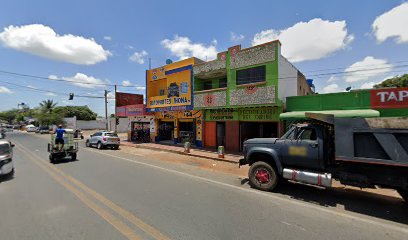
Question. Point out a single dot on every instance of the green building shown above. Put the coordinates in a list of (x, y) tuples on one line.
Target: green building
[(389, 102), (242, 93)]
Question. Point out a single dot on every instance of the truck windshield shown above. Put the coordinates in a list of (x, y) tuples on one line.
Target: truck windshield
[(291, 133)]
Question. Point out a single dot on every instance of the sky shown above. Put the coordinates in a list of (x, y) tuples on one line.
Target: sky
[(78, 46)]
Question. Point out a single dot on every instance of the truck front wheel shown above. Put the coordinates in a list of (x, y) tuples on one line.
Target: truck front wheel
[(404, 194), (262, 176)]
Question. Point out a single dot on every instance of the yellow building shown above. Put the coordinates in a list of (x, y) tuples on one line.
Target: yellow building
[(170, 96)]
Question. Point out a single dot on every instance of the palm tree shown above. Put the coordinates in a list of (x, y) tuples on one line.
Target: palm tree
[(47, 106)]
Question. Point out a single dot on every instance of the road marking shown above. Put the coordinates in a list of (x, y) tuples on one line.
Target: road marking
[(291, 201), (119, 210), (115, 222)]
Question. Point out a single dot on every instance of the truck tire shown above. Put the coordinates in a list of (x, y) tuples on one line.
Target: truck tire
[(263, 176), (404, 194)]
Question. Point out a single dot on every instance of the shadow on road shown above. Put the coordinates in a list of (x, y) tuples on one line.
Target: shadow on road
[(65, 160), (372, 204)]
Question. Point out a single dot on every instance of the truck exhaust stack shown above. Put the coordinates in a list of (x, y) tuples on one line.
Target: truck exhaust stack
[(319, 179)]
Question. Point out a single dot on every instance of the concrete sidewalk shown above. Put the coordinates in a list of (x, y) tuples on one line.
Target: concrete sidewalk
[(231, 158)]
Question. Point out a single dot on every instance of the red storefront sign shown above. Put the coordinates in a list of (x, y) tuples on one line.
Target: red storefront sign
[(121, 111), (389, 98), (126, 99)]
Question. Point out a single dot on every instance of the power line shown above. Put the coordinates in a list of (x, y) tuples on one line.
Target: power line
[(63, 80)]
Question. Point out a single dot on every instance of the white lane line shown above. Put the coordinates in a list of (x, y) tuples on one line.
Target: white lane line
[(290, 201), (293, 225)]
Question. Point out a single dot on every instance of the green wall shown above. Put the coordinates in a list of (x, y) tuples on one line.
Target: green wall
[(338, 101)]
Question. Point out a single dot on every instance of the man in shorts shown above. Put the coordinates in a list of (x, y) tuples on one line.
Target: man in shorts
[(59, 139)]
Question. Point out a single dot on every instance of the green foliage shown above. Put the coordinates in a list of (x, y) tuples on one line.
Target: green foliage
[(47, 119), (9, 115), (399, 81), (47, 106), (81, 112)]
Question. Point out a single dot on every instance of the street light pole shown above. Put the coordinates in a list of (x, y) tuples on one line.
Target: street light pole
[(106, 109), (116, 114)]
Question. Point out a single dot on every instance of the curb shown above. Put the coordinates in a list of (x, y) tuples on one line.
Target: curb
[(182, 153)]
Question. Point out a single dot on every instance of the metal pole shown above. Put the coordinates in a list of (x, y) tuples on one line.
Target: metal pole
[(106, 109), (116, 126), (150, 63)]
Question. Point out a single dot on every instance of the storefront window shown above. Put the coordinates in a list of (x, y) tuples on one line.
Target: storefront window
[(207, 85), (251, 75), (223, 83)]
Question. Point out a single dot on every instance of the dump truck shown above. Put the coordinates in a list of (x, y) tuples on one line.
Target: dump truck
[(356, 151)]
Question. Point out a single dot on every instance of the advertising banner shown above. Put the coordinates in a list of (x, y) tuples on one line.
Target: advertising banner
[(121, 111), (389, 98), (135, 110), (178, 93), (125, 99)]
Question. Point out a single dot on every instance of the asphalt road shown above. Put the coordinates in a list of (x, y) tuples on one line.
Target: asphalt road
[(110, 194)]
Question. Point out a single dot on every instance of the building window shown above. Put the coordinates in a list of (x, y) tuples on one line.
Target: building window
[(251, 75), (162, 92), (223, 83), (207, 85)]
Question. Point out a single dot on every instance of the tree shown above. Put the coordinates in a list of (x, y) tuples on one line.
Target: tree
[(81, 112), (47, 106), (47, 119), (398, 81), (9, 115)]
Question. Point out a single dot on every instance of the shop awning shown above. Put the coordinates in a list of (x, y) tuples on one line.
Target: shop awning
[(364, 113)]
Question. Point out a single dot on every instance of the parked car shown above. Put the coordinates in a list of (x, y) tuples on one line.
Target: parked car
[(31, 128), (6, 158), (44, 130), (104, 139)]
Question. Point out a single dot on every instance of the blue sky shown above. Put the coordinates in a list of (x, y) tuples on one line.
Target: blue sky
[(111, 41)]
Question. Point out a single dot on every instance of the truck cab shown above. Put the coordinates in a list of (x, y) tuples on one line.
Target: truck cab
[(355, 151)]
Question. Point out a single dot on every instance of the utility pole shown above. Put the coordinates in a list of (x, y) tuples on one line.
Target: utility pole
[(106, 109), (116, 126), (150, 63)]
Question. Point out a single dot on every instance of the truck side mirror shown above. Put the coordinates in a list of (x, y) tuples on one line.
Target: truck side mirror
[(12, 145)]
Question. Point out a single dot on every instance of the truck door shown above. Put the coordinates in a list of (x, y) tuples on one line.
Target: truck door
[(304, 150)]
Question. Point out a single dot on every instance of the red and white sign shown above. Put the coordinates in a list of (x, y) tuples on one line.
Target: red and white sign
[(389, 98)]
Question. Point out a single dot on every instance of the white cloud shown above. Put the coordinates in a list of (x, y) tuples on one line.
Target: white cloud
[(311, 40), (111, 95), (368, 85), (183, 48), (52, 77), (367, 68), (107, 38), (31, 86), (236, 37), (126, 83), (331, 88), (43, 41), (392, 24), (5, 90), (138, 57), (67, 102), (332, 79), (140, 88), (50, 94), (84, 80)]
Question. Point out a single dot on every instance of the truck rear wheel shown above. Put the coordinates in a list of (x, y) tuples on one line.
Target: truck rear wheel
[(262, 176), (404, 194)]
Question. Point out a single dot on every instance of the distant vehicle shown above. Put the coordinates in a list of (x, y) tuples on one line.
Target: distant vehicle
[(2, 135), (358, 152), (6, 158), (104, 139), (31, 128), (44, 130)]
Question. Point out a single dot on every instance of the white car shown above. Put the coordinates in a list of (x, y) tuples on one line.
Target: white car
[(31, 128), (6, 158)]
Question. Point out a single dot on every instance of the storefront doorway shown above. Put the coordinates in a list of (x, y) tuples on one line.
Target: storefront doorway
[(166, 130), (140, 132), (250, 130), (220, 134), (186, 131)]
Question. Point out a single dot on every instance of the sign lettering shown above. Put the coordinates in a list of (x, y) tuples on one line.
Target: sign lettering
[(389, 98)]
